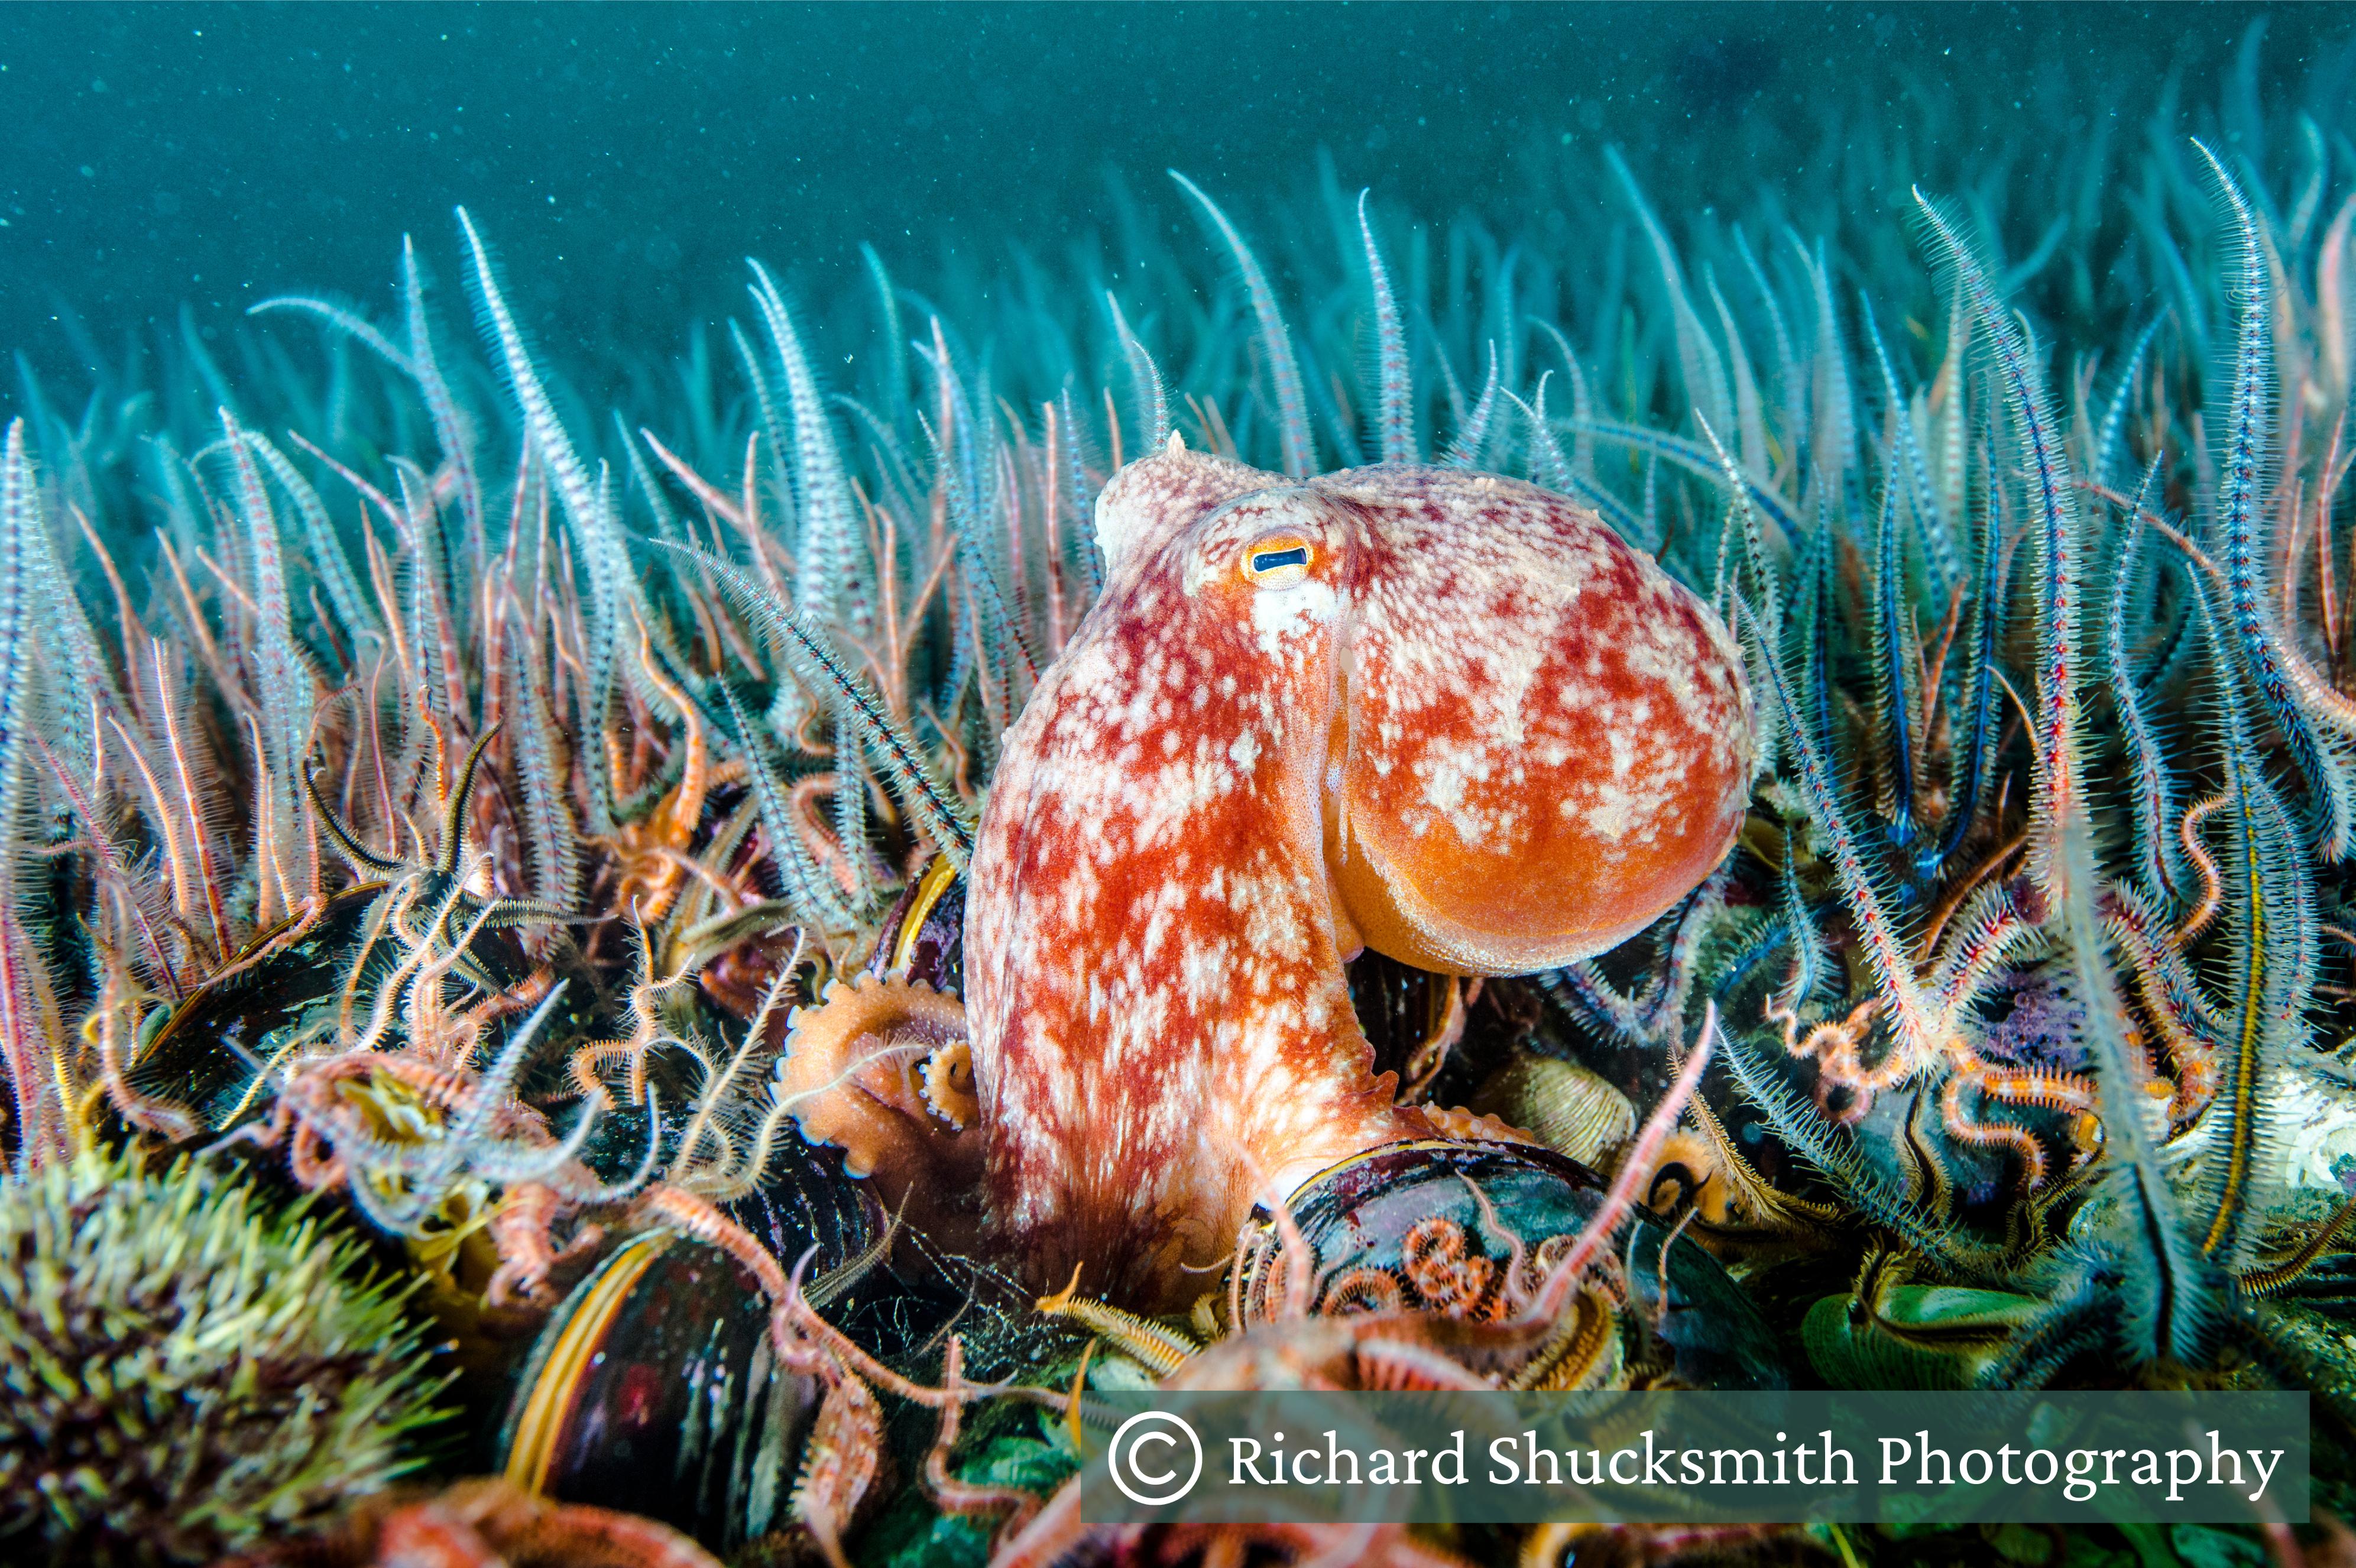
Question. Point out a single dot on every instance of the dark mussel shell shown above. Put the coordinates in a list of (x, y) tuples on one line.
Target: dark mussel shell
[(1431, 1226), (204, 1055), (1715, 1335), (655, 1387), (655, 1390), (924, 936)]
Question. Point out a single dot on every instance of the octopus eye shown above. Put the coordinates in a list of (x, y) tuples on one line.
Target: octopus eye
[(1279, 563)]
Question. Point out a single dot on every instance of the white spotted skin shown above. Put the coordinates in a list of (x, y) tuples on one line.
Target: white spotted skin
[(1481, 735)]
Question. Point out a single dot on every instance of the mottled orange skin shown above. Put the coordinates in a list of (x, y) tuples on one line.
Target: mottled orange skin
[(1480, 734)]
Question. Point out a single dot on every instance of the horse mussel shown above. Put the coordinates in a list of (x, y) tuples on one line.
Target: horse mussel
[(289, 984), (654, 1387), (924, 934), (1469, 1231)]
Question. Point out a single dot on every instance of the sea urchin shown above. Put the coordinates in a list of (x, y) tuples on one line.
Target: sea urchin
[(186, 1368)]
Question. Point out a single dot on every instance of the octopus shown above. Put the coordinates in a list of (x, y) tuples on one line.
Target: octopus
[(881, 1069), (1445, 715)]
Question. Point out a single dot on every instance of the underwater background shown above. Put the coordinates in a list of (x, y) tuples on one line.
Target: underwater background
[(636, 153), (499, 701)]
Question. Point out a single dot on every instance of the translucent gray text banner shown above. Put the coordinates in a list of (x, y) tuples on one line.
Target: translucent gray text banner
[(1845, 1457)]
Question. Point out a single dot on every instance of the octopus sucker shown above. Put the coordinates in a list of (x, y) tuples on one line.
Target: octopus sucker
[(1308, 718), (880, 1067)]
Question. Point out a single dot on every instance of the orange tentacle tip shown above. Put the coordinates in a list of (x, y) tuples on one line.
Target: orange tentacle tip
[(881, 1069)]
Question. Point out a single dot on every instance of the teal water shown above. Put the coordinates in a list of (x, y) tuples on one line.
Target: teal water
[(626, 157)]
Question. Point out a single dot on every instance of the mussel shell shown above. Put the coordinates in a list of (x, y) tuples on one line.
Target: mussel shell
[(804, 1202), (1717, 1339), (654, 1387), (1357, 1218), (891, 1299), (924, 936), (655, 1390), (202, 1056)]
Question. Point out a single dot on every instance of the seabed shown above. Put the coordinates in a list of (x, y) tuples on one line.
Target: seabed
[(530, 1037)]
